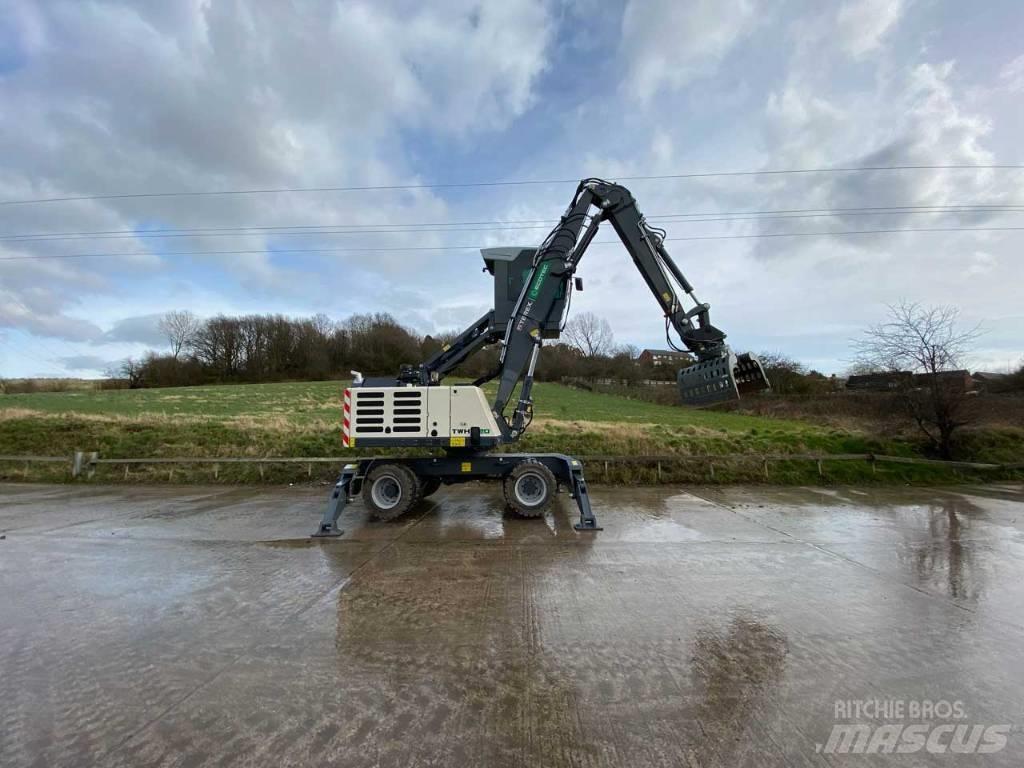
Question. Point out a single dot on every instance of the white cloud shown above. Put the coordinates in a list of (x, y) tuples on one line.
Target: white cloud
[(143, 329), (1012, 75), (86, 363), (917, 119), (668, 43), (863, 24), (114, 97), (981, 263)]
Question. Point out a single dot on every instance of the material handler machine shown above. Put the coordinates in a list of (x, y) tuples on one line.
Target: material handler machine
[(532, 289)]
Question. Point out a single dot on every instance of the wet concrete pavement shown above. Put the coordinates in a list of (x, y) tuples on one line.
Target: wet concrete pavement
[(706, 626)]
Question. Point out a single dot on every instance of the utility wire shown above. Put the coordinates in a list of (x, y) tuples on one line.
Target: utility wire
[(478, 247), (500, 226), (38, 341), (522, 182), (24, 355)]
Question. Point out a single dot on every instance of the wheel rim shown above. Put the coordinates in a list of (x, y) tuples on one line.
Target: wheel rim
[(530, 489), (386, 492)]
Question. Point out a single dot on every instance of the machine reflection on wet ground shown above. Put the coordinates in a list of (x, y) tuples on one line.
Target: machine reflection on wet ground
[(705, 626)]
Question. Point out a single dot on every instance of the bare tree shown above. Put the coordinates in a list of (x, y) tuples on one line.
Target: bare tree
[(1016, 381), (180, 327), (928, 342), (129, 370), (630, 352), (590, 334), (861, 368)]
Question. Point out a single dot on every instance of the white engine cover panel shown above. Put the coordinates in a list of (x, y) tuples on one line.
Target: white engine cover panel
[(471, 409), (397, 413)]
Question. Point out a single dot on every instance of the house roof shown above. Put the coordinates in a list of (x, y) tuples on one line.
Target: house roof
[(990, 375)]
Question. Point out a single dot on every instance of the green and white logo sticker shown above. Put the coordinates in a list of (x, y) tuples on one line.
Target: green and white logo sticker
[(538, 280)]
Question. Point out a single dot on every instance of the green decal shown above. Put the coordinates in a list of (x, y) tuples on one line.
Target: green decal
[(542, 272)]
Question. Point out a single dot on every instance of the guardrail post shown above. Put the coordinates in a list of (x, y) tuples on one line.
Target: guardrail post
[(820, 473), (711, 465), (766, 469), (84, 462)]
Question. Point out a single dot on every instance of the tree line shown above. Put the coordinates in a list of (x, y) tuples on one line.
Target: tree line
[(924, 342), (261, 348)]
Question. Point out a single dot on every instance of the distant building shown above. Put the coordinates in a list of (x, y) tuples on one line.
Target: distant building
[(891, 380), (987, 381), (658, 357), (960, 380), (879, 382), (988, 377)]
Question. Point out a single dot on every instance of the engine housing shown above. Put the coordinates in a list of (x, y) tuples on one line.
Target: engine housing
[(456, 416)]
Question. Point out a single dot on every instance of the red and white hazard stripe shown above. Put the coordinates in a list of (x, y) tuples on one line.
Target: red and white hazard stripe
[(346, 418)]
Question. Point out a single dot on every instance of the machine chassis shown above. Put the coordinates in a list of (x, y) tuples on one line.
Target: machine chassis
[(457, 467)]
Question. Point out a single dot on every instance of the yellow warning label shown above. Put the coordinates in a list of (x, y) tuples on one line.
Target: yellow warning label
[(446, 347), (351, 442), (667, 296), (467, 467), (457, 442)]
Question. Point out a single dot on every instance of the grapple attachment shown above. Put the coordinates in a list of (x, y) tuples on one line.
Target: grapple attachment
[(721, 379)]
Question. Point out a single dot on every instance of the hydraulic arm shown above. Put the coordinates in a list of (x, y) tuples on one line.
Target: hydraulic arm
[(718, 375), (537, 313)]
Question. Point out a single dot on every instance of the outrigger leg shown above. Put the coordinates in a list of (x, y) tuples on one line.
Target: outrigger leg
[(335, 505), (579, 492)]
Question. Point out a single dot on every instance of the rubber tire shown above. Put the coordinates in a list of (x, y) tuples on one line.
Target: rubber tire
[(542, 472), (408, 483), (429, 485)]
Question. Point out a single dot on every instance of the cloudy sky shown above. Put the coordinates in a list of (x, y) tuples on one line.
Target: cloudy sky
[(103, 101)]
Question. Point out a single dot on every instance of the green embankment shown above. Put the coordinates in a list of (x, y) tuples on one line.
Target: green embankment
[(302, 419)]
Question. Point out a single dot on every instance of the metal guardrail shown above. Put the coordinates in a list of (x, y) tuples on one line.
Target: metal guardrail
[(84, 463)]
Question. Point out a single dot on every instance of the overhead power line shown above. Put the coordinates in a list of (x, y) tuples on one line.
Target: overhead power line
[(519, 182), (502, 226), (397, 249), (37, 341), (25, 355)]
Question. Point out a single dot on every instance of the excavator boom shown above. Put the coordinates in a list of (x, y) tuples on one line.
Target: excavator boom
[(545, 277), (718, 376)]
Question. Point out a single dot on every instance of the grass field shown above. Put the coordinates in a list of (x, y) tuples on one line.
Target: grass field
[(303, 418)]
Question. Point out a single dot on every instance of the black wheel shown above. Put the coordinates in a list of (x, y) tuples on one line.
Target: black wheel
[(530, 488), (429, 485), (390, 490)]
